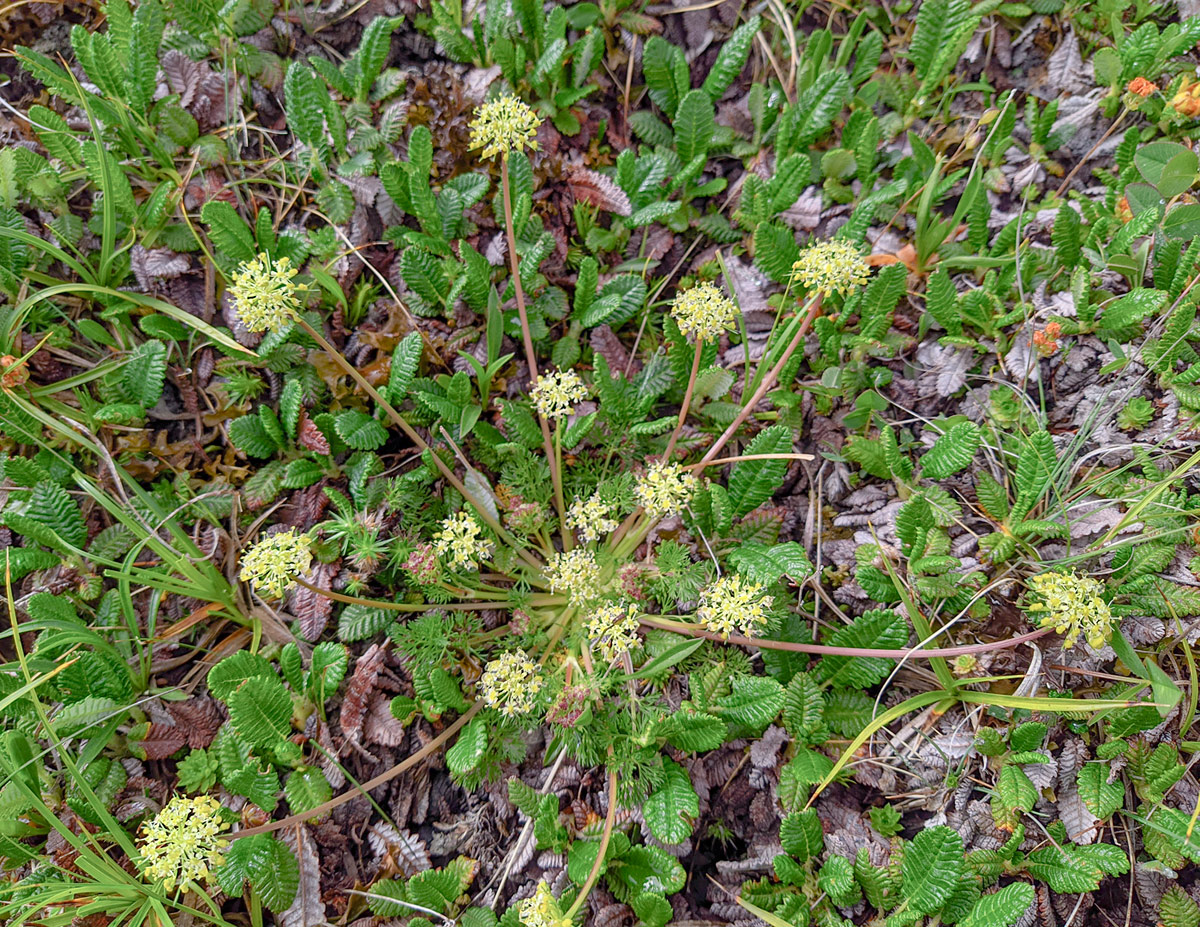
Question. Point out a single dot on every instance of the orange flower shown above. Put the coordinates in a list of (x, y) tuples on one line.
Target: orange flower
[(1124, 212), (1142, 87), (1186, 101), (1046, 340)]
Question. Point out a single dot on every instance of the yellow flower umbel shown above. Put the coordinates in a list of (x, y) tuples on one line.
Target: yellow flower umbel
[(731, 604), (511, 682), (266, 297), (831, 267), (272, 563), (589, 517), (542, 910), (576, 573), (703, 311), (461, 540), (556, 393), (182, 843), (1073, 607), (503, 125), (665, 489), (612, 630)]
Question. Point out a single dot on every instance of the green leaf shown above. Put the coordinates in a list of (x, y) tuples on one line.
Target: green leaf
[(468, 750), (753, 482), (666, 73), (51, 505), (405, 361), (261, 711), (804, 770), (801, 834), (307, 788), (731, 59), (1176, 909), (250, 436), (879, 628), (358, 622), (1002, 908), (1101, 797), (1014, 790), (360, 431), (766, 564), (952, 452), (803, 707), (235, 669), (673, 806), (267, 864), (326, 670), (694, 124), (228, 232), (1151, 161), (143, 374), (930, 869), (775, 250), (754, 702)]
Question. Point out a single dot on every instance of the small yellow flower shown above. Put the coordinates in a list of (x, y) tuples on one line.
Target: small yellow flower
[(612, 630), (576, 573), (1073, 606), (461, 538), (266, 297), (732, 604), (556, 393), (665, 489), (511, 682), (542, 910), (831, 267), (182, 843), (704, 311), (273, 562), (503, 125), (590, 518)]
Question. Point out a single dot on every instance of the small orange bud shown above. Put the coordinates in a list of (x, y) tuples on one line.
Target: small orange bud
[(12, 373), (1142, 87)]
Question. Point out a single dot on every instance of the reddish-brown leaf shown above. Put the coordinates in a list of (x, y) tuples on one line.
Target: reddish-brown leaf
[(359, 688)]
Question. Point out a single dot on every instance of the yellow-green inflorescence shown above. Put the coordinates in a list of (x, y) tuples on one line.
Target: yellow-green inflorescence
[(732, 605), (1073, 606), (461, 542), (272, 563), (265, 295), (511, 683), (703, 311), (665, 489), (590, 518), (542, 910), (556, 393), (612, 630), (182, 844), (831, 267), (503, 125), (575, 573)]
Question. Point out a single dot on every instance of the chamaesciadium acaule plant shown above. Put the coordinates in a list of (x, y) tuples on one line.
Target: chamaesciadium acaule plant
[(536, 465)]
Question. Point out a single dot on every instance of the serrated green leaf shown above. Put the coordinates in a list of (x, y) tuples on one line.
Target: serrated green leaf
[(930, 868), (673, 806)]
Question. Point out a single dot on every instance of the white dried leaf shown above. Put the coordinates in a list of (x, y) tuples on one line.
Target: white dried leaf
[(805, 213), (405, 848), (1065, 69), (307, 909), (592, 187)]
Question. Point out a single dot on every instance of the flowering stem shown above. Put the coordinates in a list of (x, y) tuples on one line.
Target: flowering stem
[(568, 536), (692, 630), (610, 819), (407, 763), (390, 606), (336, 356), (526, 334), (814, 308), (687, 399)]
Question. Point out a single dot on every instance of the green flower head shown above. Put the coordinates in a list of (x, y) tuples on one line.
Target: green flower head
[(503, 125), (272, 564), (265, 295), (1073, 606), (181, 845), (831, 267)]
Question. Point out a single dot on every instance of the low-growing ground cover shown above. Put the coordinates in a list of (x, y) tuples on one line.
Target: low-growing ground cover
[(615, 464)]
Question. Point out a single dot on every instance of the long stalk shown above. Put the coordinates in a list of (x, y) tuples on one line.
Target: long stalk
[(336, 356), (768, 381), (687, 399), (610, 820), (407, 763), (526, 333)]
